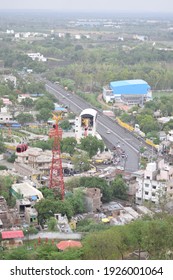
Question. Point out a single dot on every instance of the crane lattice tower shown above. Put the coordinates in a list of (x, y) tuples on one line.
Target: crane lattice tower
[(56, 180)]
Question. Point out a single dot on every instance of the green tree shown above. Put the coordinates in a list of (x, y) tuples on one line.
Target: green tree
[(5, 90), (52, 224), (119, 188), (44, 114), (44, 102), (1, 103), (27, 102), (12, 158), (95, 182), (136, 235), (72, 183), (5, 189), (148, 124), (80, 161), (34, 87), (92, 145), (3, 167), (104, 245), (19, 253), (44, 145), (77, 201), (65, 125), (47, 193), (23, 118), (68, 145), (47, 207), (2, 145)]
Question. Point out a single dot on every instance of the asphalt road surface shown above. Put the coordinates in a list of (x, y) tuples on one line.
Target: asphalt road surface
[(117, 136)]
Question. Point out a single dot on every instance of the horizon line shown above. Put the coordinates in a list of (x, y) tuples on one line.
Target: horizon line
[(86, 11)]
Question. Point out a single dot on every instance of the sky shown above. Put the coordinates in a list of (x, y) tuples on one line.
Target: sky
[(157, 6)]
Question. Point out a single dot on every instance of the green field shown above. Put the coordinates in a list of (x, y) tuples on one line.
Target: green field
[(162, 93)]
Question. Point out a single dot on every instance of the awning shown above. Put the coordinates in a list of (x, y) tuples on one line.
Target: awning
[(12, 234)]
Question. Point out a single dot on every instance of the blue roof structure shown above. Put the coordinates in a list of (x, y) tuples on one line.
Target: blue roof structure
[(60, 109), (130, 87)]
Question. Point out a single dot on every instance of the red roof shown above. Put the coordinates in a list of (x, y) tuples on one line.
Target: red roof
[(12, 234), (62, 245)]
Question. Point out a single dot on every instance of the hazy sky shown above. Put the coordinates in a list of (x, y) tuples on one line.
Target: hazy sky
[(91, 5)]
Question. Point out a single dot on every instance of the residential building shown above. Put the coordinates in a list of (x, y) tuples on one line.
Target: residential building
[(37, 56), (6, 102), (31, 215), (12, 238), (92, 199), (26, 190), (23, 96), (5, 117), (155, 182), (8, 217), (35, 164), (27, 213), (170, 136)]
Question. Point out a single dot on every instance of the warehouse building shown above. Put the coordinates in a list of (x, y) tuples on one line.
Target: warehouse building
[(128, 92)]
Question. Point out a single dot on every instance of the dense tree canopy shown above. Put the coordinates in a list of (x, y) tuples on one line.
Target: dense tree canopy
[(151, 235), (2, 146), (44, 114), (23, 118), (5, 189), (44, 102), (92, 145), (119, 188), (100, 183), (68, 145)]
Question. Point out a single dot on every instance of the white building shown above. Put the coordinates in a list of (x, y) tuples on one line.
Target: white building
[(170, 136), (77, 37), (10, 31), (37, 56), (61, 35), (26, 190), (154, 182), (5, 117), (85, 124), (10, 78), (23, 96), (108, 95)]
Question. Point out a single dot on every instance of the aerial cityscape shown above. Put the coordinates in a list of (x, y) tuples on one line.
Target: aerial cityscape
[(86, 133)]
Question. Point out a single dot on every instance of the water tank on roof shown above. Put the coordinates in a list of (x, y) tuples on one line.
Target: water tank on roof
[(21, 148)]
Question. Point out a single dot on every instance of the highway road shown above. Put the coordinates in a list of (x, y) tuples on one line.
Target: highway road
[(117, 136)]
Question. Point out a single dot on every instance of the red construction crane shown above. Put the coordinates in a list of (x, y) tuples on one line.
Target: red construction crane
[(56, 180)]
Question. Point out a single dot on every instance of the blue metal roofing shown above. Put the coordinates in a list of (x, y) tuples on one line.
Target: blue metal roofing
[(60, 109), (34, 197), (130, 87)]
